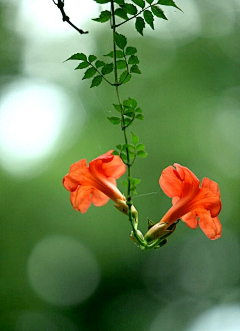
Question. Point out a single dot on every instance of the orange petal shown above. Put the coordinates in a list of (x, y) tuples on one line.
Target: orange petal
[(208, 200), (218, 227), (170, 182), (210, 226), (211, 185), (99, 198), (75, 175), (81, 198), (107, 165), (116, 168), (190, 219), (190, 181)]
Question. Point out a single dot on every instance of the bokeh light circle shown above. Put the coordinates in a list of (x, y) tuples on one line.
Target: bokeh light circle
[(219, 318), (32, 116), (62, 271)]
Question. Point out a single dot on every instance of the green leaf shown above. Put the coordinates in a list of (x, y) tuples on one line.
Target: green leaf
[(139, 3), (107, 68), (139, 117), (119, 147), (77, 56), (140, 25), (130, 9), (91, 58), (125, 77), (120, 40), (142, 154), (131, 50), (134, 69), (120, 12), (89, 73), (168, 3), (117, 107), (129, 113), (157, 11), (114, 120), (128, 146), (82, 65), (115, 153), (99, 64), (123, 156), (125, 183), (104, 17), (119, 2), (130, 103), (96, 81), (140, 147), (121, 64), (135, 139), (119, 54), (138, 110), (132, 155), (149, 1), (127, 121), (133, 59), (102, 1), (135, 181), (148, 16)]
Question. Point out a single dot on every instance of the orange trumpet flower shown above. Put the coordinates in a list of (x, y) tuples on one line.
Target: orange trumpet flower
[(193, 204), (96, 183)]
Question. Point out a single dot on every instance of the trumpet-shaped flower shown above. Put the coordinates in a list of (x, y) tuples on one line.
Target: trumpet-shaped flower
[(96, 183), (193, 204)]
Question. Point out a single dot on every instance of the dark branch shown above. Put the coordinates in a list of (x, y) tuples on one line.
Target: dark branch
[(65, 18)]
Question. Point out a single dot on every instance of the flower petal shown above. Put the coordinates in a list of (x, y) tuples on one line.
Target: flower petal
[(211, 185), (190, 219), (190, 181), (115, 169), (171, 182), (98, 198), (96, 183), (207, 200), (218, 227), (76, 175), (81, 198), (210, 226), (108, 165)]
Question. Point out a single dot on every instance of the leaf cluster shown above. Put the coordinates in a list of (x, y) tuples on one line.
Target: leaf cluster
[(95, 68), (128, 111), (126, 60), (143, 11), (129, 152)]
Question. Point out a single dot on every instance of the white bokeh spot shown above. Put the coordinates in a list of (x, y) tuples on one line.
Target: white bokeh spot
[(32, 117)]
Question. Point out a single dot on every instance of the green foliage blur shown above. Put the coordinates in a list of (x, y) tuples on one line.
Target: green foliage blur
[(62, 270)]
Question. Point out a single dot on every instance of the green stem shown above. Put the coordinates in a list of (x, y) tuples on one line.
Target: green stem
[(134, 222), (129, 199)]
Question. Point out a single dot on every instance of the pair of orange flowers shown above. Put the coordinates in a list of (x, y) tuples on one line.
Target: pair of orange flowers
[(195, 205)]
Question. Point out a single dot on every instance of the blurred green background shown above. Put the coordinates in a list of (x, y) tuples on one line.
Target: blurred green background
[(62, 270)]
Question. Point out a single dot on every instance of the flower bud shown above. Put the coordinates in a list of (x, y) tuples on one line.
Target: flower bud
[(134, 239), (160, 230), (122, 206)]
